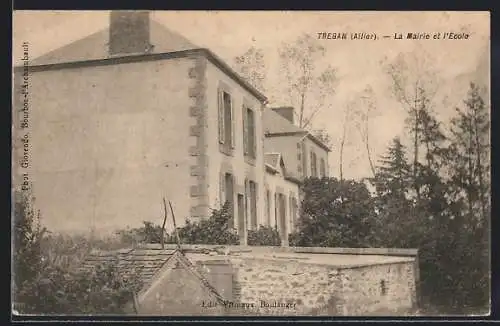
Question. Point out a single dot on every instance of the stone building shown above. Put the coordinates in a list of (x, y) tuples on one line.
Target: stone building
[(238, 280), (136, 112)]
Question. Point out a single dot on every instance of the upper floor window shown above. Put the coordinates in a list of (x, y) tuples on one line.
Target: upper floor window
[(249, 133), (314, 168), (322, 167), (226, 120)]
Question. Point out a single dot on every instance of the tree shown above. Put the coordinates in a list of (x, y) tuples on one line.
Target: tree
[(396, 226), (469, 149), (326, 221), (307, 86), (468, 190), (27, 240), (45, 283), (252, 66), (414, 85), (365, 112), (393, 174)]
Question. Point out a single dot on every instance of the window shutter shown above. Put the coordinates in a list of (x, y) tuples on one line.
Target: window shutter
[(232, 123), (221, 116), (254, 135), (245, 131), (222, 189)]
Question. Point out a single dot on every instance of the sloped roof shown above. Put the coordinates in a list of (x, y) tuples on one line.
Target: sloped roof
[(147, 262), (276, 124), (272, 159), (95, 46)]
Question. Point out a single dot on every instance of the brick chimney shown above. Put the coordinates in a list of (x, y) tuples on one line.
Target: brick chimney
[(129, 32), (286, 112)]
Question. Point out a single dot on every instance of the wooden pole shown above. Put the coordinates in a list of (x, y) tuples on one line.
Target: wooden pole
[(163, 226), (175, 226)]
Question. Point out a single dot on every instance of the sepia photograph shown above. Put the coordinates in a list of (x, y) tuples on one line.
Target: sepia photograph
[(251, 163)]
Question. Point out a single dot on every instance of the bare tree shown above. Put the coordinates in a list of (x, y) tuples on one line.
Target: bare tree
[(346, 124), (307, 86), (414, 85), (252, 66), (364, 112)]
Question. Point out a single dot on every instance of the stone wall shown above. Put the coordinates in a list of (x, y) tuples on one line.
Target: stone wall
[(379, 289), (304, 287)]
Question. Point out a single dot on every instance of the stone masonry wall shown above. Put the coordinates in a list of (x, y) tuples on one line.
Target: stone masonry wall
[(312, 288), (379, 289)]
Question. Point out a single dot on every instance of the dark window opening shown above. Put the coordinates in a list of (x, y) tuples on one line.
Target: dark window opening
[(383, 288)]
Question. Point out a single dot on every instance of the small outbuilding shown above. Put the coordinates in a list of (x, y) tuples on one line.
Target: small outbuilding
[(237, 280)]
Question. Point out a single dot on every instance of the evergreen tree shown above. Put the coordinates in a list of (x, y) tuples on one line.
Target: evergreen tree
[(395, 225), (335, 215)]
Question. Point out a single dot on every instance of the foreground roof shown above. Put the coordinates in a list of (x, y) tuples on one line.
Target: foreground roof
[(147, 262)]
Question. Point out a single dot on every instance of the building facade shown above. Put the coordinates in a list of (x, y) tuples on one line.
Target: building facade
[(136, 113)]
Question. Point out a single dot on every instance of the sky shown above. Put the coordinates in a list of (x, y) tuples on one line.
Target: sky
[(358, 63)]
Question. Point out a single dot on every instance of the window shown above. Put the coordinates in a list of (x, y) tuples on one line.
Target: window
[(299, 158), (226, 120), (304, 159), (268, 207), (293, 212), (252, 196), (227, 193), (383, 288), (249, 134), (322, 168), (314, 168)]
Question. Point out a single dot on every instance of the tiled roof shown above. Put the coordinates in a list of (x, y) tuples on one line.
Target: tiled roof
[(276, 124), (147, 262), (95, 46)]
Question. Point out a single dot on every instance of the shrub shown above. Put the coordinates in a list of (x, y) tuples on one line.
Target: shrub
[(149, 233), (47, 277), (264, 236), (214, 230)]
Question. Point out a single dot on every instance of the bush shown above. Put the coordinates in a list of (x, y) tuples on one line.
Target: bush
[(214, 230), (149, 233), (294, 239), (264, 236), (47, 277)]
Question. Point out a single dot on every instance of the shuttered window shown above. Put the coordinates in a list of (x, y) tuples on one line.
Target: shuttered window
[(314, 168), (253, 205), (249, 133), (221, 117), (226, 119)]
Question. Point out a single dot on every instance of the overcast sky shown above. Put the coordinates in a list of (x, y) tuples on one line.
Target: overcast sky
[(358, 63)]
